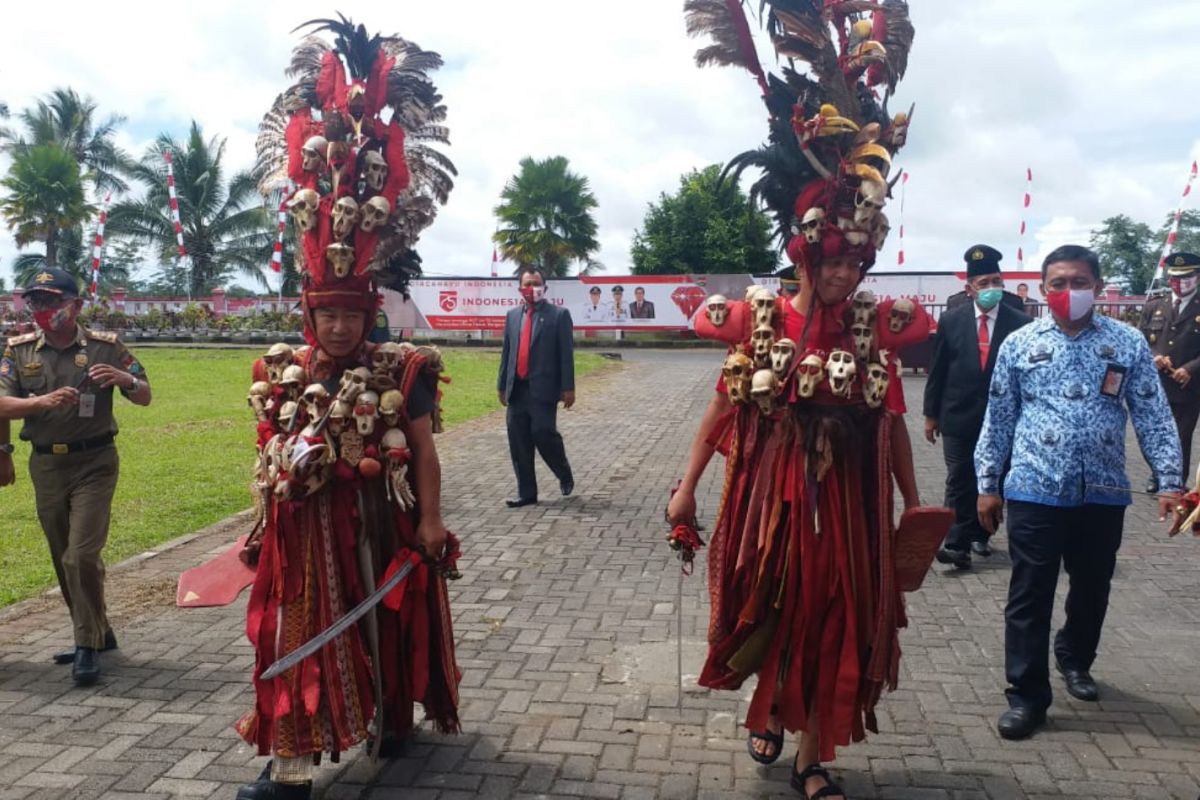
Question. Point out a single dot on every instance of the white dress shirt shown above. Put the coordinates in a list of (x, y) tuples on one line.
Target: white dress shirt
[(990, 316)]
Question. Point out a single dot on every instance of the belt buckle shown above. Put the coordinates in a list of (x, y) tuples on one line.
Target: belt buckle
[(59, 449)]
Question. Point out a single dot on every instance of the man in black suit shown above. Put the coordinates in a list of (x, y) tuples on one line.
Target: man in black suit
[(956, 393), (641, 308), (537, 370)]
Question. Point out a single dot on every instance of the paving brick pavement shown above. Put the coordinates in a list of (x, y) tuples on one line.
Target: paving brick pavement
[(565, 621)]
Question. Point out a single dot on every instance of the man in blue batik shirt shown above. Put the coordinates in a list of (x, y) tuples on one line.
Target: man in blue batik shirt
[(1057, 405)]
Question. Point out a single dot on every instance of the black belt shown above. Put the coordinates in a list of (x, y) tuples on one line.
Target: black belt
[(61, 449)]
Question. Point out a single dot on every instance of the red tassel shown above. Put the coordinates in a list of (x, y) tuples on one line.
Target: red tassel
[(398, 174), (299, 128), (331, 83)]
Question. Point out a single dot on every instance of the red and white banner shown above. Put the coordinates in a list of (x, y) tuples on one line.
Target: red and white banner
[(651, 302), (98, 243)]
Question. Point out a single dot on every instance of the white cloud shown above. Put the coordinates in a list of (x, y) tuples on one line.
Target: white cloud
[(1087, 92)]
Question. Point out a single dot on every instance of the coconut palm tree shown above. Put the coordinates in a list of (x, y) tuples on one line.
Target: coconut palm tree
[(44, 197), (225, 228), (545, 217), (66, 119), (75, 257)]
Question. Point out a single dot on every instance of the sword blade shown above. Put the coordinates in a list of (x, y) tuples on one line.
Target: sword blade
[(345, 621)]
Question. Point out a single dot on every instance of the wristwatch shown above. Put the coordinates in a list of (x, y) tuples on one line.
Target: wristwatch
[(133, 387), (7, 448)]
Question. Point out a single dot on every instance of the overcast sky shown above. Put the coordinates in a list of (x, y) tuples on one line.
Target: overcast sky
[(1097, 96)]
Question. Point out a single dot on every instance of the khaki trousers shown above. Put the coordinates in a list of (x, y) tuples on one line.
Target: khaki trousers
[(74, 499)]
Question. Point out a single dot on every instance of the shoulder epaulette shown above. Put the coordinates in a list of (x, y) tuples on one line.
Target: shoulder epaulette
[(103, 336), (24, 338)]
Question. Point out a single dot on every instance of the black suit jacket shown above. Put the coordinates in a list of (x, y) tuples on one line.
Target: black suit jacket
[(551, 352), (1177, 336), (645, 311), (956, 392)]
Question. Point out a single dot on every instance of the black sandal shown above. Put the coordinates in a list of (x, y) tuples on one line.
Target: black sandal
[(773, 739), (830, 789)]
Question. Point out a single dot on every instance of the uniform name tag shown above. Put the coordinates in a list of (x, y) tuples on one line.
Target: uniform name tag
[(1114, 379), (87, 405)]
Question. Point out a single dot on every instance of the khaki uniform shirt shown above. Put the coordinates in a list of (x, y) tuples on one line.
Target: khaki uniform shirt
[(31, 366)]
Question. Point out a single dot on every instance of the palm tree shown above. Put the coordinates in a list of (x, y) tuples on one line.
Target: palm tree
[(545, 216), (74, 257), (68, 120), (225, 230), (45, 196)]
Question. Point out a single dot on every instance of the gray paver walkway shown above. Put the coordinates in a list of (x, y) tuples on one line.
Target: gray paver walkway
[(565, 623)]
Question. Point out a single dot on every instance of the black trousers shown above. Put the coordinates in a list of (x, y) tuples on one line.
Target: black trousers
[(1185, 420), (533, 425), (1085, 540), (962, 493)]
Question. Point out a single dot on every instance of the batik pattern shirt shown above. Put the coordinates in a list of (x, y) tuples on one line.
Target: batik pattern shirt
[(1058, 404)]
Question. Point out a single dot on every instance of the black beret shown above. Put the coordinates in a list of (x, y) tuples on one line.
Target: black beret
[(53, 281), (982, 260), (1182, 263)]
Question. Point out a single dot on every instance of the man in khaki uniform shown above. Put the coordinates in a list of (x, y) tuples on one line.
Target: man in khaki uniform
[(60, 381), (1171, 325)]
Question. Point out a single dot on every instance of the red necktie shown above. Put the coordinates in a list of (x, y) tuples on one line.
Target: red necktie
[(523, 348), (984, 341)]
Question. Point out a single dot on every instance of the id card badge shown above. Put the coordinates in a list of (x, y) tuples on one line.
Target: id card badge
[(1114, 379), (87, 405)]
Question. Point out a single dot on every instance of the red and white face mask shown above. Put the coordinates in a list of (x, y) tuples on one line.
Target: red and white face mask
[(533, 294), (1071, 305), (1182, 287), (56, 320)]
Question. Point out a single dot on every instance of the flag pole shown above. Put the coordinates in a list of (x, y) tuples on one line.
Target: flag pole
[(1174, 233)]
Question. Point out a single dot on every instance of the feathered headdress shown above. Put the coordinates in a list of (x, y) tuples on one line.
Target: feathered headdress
[(826, 161), (350, 142)]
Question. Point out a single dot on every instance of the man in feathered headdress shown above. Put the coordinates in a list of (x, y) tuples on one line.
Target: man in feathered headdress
[(348, 477)]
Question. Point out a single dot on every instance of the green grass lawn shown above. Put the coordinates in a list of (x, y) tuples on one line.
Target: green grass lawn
[(186, 460)]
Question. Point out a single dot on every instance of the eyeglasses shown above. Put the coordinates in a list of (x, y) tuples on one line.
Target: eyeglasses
[(43, 301)]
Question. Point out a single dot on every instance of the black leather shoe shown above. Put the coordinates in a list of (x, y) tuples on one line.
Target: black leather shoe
[(961, 559), (981, 549), (1080, 684), (68, 656), (1020, 723), (521, 502), (567, 486), (86, 669), (270, 790)]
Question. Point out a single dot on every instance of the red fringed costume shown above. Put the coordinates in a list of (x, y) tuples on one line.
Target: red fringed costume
[(339, 505), (802, 558)]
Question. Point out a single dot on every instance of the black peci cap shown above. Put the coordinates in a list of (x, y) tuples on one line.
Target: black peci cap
[(982, 260), (53, 280)]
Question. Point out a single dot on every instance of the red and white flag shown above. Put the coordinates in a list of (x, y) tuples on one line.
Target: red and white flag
[(495, 258), (98, 243), (173, 201), (277, 255), (1025, 206), (903, 183), (1173, 235)]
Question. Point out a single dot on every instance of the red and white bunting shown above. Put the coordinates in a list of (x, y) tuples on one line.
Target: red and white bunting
[(277, 255), (1171, 237), (900, 254), (98, 243), (174, 203), (1024, 213)]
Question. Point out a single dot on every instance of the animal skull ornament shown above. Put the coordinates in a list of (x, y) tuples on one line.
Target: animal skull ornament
[(260, 393), (868, 202), (353, 383), (864, 307), (277, 358), (315, 400), (783, 352), (875, 386), (374, 214), (312, 154), (292, 381), (303, 207), (287, 414), (841, 369), (345, 215), (716, 308), (901, 314), (763, 388), (366, 410), (385, 358), (809, 373), (375, 170), (881, 230), (395, 447), (763, 302), (341, 257), (761, 340), (338, 416), (391, 403), (811, 225), (863, 334), (737, 371)]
